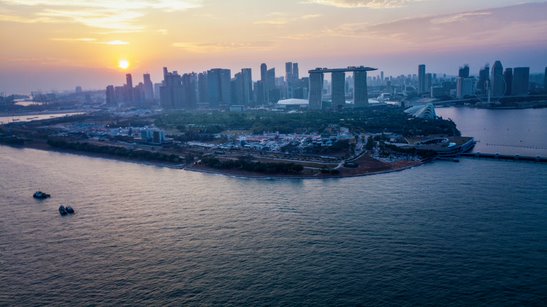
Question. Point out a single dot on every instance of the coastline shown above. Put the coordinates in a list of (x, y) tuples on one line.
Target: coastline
[(212, 171)]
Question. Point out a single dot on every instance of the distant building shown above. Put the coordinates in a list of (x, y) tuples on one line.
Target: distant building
[(78, 89), (545, 79), (465, 87), (521, 81), (110, 96), (426, 111), (463, 72), (428, 82), (148, 88), (497, 81), (203, 97), (129, 89), (219, 87), (508, 78), (316, 91), (421, 79), (484, 80), (338, 90)]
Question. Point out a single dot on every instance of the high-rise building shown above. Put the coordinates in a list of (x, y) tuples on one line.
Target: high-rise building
[(264, 80), (129, 89), (288, 72), (465, 87), (271, 92), (484, 80), (219, 88), (428, 82), (421, 79), (190, 91), (295, 73), (338, 90), (463, 72), (110, 96), (148, 88), (203, 97), (521, 81), (497, 82), (316, 91), (360, 90), (171, 91), (247, 86), (508, 78)]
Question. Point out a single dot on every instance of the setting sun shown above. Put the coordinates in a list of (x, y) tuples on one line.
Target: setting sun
[(123, 64)]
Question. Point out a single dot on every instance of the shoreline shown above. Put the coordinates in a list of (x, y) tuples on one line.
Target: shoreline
[(211, 171)]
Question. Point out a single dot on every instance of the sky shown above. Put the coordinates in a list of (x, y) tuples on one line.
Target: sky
[(59, 44)]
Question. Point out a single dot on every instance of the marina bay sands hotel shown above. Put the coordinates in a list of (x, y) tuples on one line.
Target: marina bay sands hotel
[(338, 83)]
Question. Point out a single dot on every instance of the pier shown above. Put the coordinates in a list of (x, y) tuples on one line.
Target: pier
[(496, 156)]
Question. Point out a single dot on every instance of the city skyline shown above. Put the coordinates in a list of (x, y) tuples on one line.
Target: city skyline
[(86, 41)]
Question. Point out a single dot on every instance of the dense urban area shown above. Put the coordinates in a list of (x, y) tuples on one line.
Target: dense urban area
[(335, 122)]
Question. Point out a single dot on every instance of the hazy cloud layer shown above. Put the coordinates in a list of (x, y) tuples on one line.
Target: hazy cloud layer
[(373, 4), (121, 15), (520, 23)]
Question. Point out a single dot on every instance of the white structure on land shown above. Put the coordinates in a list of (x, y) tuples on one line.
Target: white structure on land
[(426, 111)]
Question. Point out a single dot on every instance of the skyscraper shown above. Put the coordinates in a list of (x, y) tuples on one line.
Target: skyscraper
[(360, 90), (219, 87), (264, 82), (110, 96), (247, 85), (497, 81), (484, 80), (463, 72), (148, 88), (270, 86), (288, 72), (338, 90), (295, 73), (508, 78), (421, 79), (521, 81), (428, 82), (129, 88), (316, 91), (203, 96)]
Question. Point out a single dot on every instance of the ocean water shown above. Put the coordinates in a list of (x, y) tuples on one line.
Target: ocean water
[(514, 132), (468, 233)]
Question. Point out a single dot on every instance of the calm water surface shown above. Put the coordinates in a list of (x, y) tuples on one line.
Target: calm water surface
[(515, 132), (32, 117), (468, 233)]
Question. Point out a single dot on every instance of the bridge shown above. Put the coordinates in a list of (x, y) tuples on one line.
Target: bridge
[(338, 84)]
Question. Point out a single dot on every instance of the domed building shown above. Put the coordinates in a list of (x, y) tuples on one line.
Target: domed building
[(426, 111)]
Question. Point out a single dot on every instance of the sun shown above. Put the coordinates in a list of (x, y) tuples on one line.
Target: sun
[(123, 64)]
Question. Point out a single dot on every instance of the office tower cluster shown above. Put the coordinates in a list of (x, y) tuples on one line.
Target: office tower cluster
[(217, 89), (129, 95)]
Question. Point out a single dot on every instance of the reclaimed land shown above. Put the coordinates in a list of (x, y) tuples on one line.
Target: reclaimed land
[(183, 127)]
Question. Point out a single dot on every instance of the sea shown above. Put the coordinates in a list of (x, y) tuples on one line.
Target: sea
[(472, 233)]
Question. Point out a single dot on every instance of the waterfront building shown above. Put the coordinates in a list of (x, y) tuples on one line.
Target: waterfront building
[(465, 87), (497, 81), (421, 79), (484, 80), (426, 111), (508, 78), (521, 81)]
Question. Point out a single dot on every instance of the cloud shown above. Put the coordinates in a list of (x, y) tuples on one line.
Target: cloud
[(91, 40), (211, 47), (279, 18), (524, 23), (372, 4), (119, 15)]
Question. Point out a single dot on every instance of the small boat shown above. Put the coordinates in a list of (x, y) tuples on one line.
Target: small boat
[(69, 210), (62, 210), (41, 195)]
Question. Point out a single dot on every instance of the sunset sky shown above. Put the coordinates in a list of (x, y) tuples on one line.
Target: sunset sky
[(58, 44)]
